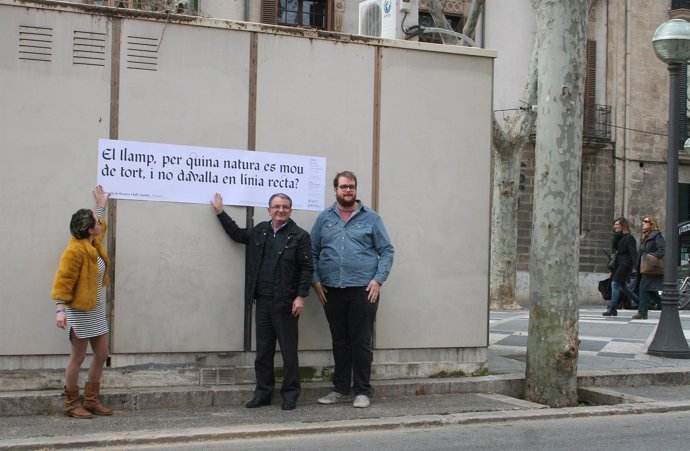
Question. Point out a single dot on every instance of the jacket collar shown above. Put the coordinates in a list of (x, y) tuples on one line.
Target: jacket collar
[(84, 244), (360, 207), (268, 227)]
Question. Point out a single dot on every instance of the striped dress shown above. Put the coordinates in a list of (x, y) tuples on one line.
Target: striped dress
[(91, 323)]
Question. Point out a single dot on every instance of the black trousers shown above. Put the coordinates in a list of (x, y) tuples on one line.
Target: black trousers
[(275, 322), (351, 320)]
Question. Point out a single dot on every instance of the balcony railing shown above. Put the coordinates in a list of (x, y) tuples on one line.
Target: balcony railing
[(596, 123)]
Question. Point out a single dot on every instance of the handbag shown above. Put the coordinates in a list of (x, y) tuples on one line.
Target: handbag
[(611, 265), (651, 265), (605, 289)]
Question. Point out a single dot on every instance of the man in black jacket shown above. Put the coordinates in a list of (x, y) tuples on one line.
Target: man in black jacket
[(279, 274)]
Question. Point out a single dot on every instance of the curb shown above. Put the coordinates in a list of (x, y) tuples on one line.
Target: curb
[(299, 428), (42, 402), (20, 403)]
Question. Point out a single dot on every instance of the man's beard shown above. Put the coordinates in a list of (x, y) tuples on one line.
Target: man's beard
[(346, 203)]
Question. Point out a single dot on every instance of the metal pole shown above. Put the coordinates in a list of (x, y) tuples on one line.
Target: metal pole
[(669, 340)]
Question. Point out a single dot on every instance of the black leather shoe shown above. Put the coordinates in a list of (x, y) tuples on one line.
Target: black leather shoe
[(289, 404), (257, 402), (610, 312)]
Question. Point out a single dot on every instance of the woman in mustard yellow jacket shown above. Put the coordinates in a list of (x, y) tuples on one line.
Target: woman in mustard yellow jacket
[(78, 294)]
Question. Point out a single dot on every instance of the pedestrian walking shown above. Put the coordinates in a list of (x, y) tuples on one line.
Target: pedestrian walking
[(650, 268), (625, 248)]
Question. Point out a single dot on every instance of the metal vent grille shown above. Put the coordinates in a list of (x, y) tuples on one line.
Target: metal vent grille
[(88, 48), (217, 376), (35, 43), (142, 53)]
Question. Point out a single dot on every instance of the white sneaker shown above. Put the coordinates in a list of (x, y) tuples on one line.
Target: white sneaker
[(331, 398), (361, 401)]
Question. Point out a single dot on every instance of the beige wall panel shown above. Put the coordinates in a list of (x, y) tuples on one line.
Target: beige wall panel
[(316, 98), (197, 94), (435, 199), (51, 116), (180, 281)]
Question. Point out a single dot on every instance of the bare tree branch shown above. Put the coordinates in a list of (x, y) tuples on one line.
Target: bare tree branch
[(513, 132), (523, 126), (471, 23), (436, 11)]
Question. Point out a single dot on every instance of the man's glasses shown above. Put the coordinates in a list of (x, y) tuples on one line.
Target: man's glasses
[(347, 187), (280, 207)]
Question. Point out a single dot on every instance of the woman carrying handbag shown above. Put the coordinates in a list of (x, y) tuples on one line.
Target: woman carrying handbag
[(621, 264), (651, 268)]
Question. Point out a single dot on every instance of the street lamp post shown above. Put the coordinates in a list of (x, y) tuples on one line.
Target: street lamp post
[(672, 46)]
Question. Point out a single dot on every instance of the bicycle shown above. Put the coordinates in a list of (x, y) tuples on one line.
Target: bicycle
[(684, 292)]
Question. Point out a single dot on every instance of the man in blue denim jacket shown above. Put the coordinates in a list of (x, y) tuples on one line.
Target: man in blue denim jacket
[(352, 257)]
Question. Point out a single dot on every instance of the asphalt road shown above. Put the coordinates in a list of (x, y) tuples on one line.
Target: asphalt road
[(667, 431)]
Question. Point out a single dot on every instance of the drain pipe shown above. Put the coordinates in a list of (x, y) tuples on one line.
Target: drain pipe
[(626, 133), (246, 10)]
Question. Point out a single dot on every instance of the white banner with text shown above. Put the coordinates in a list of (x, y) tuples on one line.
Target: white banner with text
[(172, 173)]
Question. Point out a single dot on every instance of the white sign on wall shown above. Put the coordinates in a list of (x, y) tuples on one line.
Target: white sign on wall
[(172, 173)]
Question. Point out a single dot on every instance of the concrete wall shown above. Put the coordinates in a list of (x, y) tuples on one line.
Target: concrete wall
[(178, 280), (444, 250), (193, 98), (53, 112)]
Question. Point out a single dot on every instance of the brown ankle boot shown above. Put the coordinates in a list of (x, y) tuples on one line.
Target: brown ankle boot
[(92, 402), (73, 407)]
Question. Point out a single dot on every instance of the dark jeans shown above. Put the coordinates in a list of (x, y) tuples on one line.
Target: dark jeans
[(351, 319), (616, 289), (275, 322)]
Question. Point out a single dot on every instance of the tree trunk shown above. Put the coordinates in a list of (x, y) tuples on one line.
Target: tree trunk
[(503, 245), (552, 343), (508, 144), (472, 18)]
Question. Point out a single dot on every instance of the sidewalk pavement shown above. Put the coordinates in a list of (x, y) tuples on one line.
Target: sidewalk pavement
[(615, 376)]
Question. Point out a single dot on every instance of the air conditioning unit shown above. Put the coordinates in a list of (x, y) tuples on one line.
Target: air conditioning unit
[(384, 18)]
